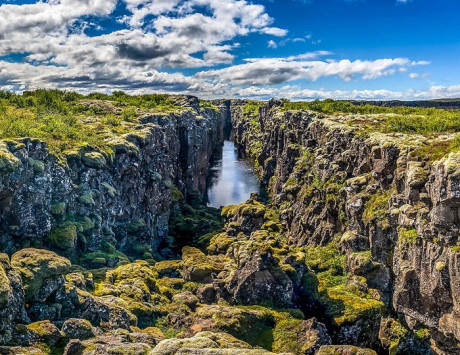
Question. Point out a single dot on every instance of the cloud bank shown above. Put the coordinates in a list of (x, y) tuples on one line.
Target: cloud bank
[(181, 46)]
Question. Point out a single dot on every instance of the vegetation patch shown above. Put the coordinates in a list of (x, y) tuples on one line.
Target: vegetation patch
[(376, 208), (345, 302), (408, 235)]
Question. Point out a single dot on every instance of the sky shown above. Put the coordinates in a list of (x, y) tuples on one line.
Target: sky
[(256, 49)]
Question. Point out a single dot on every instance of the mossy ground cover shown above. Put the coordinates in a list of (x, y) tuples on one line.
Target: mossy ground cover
[(62, 118), (429, 122), (344, 301), (376, 208)]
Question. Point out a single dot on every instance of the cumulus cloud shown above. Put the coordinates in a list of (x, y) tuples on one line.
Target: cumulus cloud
[(296, 93), (154, 40), (158, 34), (272, 71)]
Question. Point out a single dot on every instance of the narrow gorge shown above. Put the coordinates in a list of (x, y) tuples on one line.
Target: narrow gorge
[(115, 243)]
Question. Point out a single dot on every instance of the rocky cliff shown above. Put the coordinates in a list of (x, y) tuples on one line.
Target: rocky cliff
[(120, 195), (381, 199)]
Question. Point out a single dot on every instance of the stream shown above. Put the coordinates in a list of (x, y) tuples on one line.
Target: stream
[(232, 179)]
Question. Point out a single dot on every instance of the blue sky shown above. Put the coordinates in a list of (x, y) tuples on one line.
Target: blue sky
[(299, 49)]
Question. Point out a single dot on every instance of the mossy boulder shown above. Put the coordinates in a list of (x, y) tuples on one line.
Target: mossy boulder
[(197, 266), (41, 272), (154, 332), (94, 160), (174, 346), (245, 323), (224, 340), (74, 328), (216, 343), (186, 298), (344, 350), (44, 331), (139, 270), (169, 268), (64, 236), (8, 162), (299, 336)]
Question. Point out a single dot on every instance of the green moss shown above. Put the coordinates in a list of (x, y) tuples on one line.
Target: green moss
[(253, 209), (376, 208), (111, 191), (8, 162), (58, 208), (87, 198), (168, 267), (85, 224), (422, 333), (286, 336), (209, 105), (36, 265), (193, 225), (344, 302), (176, 194), (5, 288), (407, 235), (44, 329), (440, 265), (251, 324), (94, 259), (38, 166), (136, 226), (64, 236)]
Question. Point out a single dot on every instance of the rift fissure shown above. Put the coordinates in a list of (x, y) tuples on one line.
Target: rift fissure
[(110, 248)]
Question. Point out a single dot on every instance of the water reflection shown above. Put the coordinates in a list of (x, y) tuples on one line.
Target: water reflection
[(232, 179)]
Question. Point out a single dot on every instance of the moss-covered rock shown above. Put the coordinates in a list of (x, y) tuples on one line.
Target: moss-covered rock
[(74, 328), (139, 270), (44, 331), (41, 272), (64, 236), (169, 268), (186, 298), (252, 325), (8, 162), (94, 160), (344, 350), (197, 266)]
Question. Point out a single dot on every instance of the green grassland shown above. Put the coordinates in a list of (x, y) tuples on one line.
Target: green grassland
[(66, 119)]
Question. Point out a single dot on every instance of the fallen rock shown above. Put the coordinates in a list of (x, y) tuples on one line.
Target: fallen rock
[(81, 329), (41, 272)]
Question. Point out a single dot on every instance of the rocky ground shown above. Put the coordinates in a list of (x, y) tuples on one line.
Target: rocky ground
[(353, 250)]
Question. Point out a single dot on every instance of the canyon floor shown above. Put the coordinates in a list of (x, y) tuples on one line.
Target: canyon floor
[(108, 246)]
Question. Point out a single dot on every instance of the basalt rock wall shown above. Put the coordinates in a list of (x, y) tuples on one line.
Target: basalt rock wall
[(118, 195), (393, 212)]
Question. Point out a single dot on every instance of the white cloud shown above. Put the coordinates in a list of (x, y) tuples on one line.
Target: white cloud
[(299, 94), (272, 44), (173, 34), (271, 71)]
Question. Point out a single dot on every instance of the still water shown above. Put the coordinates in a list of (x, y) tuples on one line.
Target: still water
[(232, 179)]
